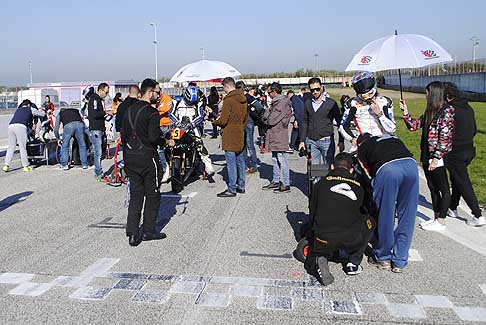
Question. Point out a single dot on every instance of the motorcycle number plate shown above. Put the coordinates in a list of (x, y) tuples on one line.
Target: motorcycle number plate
[(176, 134)]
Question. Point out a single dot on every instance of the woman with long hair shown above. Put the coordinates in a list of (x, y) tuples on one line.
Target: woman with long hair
[(437, 124)]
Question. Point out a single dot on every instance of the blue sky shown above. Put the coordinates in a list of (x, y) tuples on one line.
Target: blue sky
[(110, 40)]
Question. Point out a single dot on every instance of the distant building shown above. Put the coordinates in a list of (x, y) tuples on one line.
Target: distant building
[(73, 91)]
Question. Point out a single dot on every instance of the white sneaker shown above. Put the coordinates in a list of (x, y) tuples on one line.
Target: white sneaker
[(166, 176), (453, 213), (434, 226), (476, 222), (427, 222)]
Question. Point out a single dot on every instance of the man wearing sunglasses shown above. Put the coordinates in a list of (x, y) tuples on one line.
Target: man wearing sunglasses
[(96, 117), (369, 112), (141, 136), (317, 131)]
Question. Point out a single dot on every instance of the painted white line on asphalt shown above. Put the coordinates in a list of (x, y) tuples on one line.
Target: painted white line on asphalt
[(462, 203), (434, 301), (30, 289), (176, 196), (15, 278), (471, 314), (460, 238), (99, 268), (414, 256), (406, 310), (483, 288)]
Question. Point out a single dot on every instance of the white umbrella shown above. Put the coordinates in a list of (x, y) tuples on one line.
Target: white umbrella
[(205, 70), (404, 51)]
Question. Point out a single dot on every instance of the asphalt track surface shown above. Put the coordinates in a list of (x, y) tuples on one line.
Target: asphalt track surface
[(64, 258)]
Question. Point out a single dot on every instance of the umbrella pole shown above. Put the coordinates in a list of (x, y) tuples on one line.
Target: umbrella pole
[(400, 81), (399, 76)]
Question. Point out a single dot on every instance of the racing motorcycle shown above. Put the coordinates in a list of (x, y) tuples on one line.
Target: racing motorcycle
[(183, 158)]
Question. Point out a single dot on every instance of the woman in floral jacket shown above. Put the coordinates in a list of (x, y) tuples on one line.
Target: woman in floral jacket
[(437, 124)]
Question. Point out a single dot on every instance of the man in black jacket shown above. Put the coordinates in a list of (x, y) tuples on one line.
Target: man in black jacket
[(72, 126), (317, 130), (133, 94), (461, 155), (141, 137), (338, 221), (96, 117)]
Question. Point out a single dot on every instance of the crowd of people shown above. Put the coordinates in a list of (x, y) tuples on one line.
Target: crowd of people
[(352, 209)]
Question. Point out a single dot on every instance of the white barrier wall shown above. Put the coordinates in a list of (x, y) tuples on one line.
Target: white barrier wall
[(471, 82), (4, 119)]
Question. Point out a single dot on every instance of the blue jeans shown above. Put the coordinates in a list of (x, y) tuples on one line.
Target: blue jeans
[(321, 149), (235, 162), (163, 129), (250, 143), (396, 188), (73, 129), (280, 166), (97, 141)]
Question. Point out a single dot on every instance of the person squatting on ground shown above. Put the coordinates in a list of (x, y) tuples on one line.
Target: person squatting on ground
[(277, 118), (437, 124), (140, 137), (73, 125), (255, 109), (461, 155), (370, 112), (395, 183), (96, 117), (338, 222), (18, 129), (232, 121), (190, 111), (317, 130)]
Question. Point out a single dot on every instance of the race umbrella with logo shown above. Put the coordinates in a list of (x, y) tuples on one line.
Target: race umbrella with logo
[(399, 51)]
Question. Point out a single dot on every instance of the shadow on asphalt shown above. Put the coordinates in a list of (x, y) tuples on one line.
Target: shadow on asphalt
[(167, 210), (13, 199), (297, 220), (298, 180)]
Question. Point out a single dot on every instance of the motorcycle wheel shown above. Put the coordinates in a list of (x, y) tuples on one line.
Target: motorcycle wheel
[(302, 250), (176, 181)]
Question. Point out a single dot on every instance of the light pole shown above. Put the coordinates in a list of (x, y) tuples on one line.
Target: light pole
[(316, 59), (155, 48), (30, 70), (202, 52), (475, 44)]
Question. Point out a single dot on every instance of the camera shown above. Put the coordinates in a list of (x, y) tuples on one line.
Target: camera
[(302, 152)]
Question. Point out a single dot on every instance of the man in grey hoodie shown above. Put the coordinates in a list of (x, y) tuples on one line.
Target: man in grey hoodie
[(277, 118)]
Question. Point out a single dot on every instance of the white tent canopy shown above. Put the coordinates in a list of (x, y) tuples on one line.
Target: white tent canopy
[(205, 70)]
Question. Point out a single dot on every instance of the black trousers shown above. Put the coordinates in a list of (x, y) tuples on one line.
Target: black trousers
[(439, 189), (145, 175), (456, 163), (294, 139), (353, 243)]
